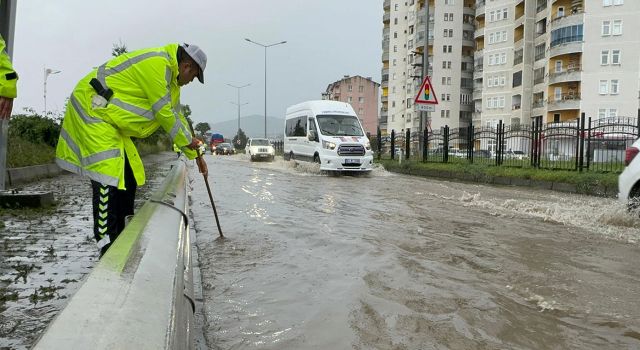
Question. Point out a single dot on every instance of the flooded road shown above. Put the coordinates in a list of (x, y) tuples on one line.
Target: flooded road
[(390, 261)]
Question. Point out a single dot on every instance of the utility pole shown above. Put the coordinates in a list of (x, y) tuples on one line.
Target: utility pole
[(239, 104), (424, 116), (7, 25)]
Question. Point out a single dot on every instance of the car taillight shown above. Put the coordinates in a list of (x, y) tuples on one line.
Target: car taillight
[(630, 153)]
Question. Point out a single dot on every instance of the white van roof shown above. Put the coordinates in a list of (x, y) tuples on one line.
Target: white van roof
[(323, 107)]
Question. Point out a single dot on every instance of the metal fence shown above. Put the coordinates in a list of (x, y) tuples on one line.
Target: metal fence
[(580, 144)]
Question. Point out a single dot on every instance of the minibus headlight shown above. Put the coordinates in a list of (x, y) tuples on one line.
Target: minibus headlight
[(328, 145), (367, 145)]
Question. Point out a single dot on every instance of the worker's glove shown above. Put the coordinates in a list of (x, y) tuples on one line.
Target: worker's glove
[(202, 166), (193, 144), (6, 105)]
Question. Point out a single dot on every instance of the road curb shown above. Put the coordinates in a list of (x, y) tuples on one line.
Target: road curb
[(598, 191), (17, 176)]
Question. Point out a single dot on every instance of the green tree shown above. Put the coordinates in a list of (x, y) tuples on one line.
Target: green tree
[(202, 128), (119, 48), (186, 111), (240, 140)]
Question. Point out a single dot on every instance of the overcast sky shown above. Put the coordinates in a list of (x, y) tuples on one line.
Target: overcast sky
[(325, 40)]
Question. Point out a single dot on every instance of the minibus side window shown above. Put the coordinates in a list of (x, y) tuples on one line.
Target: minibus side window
[(312, 127)]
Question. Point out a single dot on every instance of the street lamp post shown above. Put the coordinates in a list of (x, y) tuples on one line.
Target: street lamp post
[(239, 104), (47, 72), (265, 78)]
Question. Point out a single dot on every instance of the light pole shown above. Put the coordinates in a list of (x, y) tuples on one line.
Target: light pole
[(47, 72), (239, 104), (265, 78)]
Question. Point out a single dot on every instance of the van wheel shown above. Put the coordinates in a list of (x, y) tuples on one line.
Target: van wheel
[(316, 158), (291, 156)]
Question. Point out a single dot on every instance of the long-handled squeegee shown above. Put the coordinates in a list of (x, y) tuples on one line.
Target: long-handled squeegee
[(206, 182)]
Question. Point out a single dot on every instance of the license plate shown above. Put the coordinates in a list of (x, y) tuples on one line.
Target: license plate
[(352, 161)]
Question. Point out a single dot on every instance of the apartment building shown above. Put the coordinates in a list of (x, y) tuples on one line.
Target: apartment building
[(450, 50), (549, 60), (560, 58), (362, 93)]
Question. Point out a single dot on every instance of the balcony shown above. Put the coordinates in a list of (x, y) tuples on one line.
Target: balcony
[(572, 73), (564, 102), (468, 26), (384, 99), (477, 94), (478, 33), (569, 20), (566, 45), (386, 5), (478, 55), (518, 44), (386, 18), (477, 73), (385, 56), (480, 8)]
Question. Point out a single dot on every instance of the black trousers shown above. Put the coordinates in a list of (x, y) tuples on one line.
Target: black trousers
[(110, 207)]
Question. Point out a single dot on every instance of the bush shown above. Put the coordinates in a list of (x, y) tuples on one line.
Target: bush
[(35, 129)]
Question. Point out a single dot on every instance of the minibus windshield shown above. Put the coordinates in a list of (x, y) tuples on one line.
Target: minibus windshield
[(339, 125)]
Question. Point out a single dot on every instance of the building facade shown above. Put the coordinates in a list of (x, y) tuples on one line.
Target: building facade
[(362, 93), (513, 61)]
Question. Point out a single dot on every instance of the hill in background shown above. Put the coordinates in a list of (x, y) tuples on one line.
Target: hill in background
[(252, 125)]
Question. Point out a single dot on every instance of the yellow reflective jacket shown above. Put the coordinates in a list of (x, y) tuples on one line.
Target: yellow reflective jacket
[(8, 77), (95, 137)]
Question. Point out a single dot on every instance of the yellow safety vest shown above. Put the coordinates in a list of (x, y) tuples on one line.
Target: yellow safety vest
[(8, 77), (146, 96)]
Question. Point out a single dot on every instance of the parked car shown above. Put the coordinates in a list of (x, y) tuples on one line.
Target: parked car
[(519, 155), (629, 180), (260, 149), (481, 153), (224, 149)]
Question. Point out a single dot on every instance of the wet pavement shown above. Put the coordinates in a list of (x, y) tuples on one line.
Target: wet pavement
[(46, 253), (390, 261)]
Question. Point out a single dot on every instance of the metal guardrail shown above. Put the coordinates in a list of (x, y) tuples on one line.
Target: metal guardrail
[(140, 294)]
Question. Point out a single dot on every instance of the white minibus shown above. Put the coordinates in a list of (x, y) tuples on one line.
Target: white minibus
[(328, 133)]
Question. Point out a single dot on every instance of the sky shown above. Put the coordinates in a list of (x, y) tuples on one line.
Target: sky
[(325, 41)]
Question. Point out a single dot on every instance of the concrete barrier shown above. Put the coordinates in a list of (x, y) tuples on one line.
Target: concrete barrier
[(140, 294), (16, 176)]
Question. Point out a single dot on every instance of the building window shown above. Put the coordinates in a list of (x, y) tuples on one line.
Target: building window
[(395, 48), (449, 2), (556, 117), (613, 113), (617, 27), (557, 94), (350, 88), (540, 51), (349, 99), (607, 2), (618, 2), (615, 86), (448, 80), (450, 47), (604, 57), (361, 99), (360, 88), (504, 13), (603, 89), (615, 56), (444, 48), (492, 16), (602, 113), (444, 80), (606, 28)]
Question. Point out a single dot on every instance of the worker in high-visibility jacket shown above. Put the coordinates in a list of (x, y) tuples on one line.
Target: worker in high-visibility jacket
[(8, 81), (132, 95)]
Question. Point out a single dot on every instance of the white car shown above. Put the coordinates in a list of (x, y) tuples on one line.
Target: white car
[(260, 149), (629, 180)]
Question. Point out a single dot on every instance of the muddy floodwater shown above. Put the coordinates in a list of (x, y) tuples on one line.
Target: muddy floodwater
[(389, 261), (46, 253)]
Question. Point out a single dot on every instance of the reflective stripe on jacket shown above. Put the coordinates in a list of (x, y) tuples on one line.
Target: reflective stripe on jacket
[(146, 96), (8, 77)]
